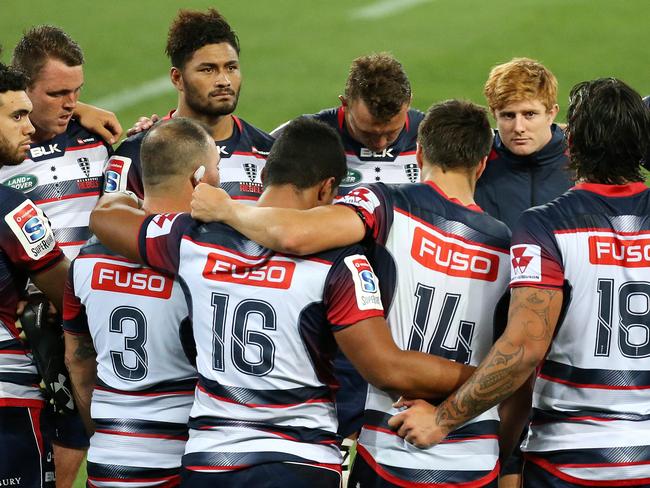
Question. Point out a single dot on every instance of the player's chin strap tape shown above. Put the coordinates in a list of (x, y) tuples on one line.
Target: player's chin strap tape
[(45, 336)]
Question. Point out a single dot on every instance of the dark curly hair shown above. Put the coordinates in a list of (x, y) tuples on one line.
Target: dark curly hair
[(192, 29), (608, 129), (11, 79), (41, 43), (380, 81)]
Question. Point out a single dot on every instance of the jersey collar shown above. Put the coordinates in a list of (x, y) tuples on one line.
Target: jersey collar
[(472, 206), (627, 190)]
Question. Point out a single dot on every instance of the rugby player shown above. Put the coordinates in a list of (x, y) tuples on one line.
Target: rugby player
[(427, 239), (579, 306), (265, 326), (62, 175), (125, 329), (29, 251), (204, 51)]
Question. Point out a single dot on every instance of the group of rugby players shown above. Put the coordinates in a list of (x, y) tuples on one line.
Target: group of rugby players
[(225, 324)]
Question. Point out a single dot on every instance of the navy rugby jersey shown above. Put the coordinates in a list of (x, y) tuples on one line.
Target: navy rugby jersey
[(511, 184), (591, 403), (451, 264), (263, 324), (63, 176), (27, 246), (243, 156), (395, 164)]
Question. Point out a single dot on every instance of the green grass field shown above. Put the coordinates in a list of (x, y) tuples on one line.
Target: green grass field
[(295, 54)]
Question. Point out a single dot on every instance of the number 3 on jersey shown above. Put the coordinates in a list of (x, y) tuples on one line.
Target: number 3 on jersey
[(439, 344)]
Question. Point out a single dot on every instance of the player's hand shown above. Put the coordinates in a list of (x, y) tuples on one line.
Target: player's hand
[(143, 123), (417, 424), (210, 204), (100, 121)]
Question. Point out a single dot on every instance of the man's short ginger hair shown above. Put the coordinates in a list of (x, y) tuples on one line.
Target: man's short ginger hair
[(518, 80), (380, 81)]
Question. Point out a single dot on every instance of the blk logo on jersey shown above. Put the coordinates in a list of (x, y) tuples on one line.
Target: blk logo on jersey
[(40, 151), (132, 281), (453, 258), (366, 285), (367, 153), (115, 174), (613, 251), (32, 229), (525, 263), (273, 274)]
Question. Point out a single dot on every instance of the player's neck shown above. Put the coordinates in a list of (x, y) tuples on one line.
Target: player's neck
[(285, 196), (219, 126), (163, 203), (40, 136), (455, 184)]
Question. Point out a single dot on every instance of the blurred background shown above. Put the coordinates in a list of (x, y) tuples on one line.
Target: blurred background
[(296, 54)]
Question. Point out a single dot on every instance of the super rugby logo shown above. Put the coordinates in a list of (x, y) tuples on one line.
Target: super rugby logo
[(133, 281), (115, 174), (366, 286), (30, 226), (452, 257), (613, 251), (272, 274), (525, 263)]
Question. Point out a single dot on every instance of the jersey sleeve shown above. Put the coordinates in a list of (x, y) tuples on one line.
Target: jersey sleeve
[(372, 206), (351, 292), (26, 236), (535, 259), (122, 170), (160, 240), (75, 320)]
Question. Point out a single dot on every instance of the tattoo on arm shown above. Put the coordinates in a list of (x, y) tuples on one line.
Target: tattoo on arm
[(85, 348)]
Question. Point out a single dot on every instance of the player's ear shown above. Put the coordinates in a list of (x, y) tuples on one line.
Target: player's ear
[(481, 167), (177, 78), (343, 100), (326, 191), (418, 156)]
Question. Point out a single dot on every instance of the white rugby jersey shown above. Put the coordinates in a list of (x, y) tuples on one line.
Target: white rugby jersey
[(138, 320), (443, 269), (63, 177), (26, 246), (263, 325), (243, 155), (591, 403)]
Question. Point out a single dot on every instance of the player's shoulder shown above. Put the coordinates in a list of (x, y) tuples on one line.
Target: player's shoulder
[(415, 117), (79, 137), (130, 146), (222, 236), (94, 248), (338, 254), (10, 198), (259, 139), (330, 116)]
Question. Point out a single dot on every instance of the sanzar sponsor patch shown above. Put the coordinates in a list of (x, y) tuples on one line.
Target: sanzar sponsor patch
[(31, 227), (525, 263), (23, 182), (161, 224), (362, 197), (366, 285), (115, 174)]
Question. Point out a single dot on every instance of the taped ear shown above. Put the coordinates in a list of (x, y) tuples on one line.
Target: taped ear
[(198, 175)]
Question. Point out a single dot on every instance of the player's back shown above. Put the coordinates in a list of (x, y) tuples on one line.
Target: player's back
[(138, 321), (446, 267), (592, 394)]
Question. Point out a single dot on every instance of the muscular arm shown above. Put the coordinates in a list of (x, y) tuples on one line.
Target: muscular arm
[(52, 281), (532, 319), (514, 413), (116, 221), (101, 122), (81, 361), (370, 348), (291, 231)]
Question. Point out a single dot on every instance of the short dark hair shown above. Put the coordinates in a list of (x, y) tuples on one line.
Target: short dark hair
[(307, 152), (192, 29), (608, 129), (455, 134), (41, 43), (172, 148), (11, 79), (380, 81)]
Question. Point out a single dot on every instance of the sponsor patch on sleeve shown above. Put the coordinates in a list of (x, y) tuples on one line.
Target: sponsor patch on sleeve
[(525, 263), (161, 224), (366, 284), (362, 197), (31, 227), (115, 174)]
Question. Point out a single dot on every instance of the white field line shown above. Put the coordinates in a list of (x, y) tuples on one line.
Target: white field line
[(384, 8), (131, 96)]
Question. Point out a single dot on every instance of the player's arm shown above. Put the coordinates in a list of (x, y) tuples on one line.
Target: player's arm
[(81, 361), (291, 231), (116, 221), (514, 414), (51, 282), (532, 318), (101, 122), (369, 346)]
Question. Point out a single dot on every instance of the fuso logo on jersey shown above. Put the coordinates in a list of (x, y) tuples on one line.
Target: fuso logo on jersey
[(453, 258), (32, 229), (132, 281), (115, 174), (366, 285), (629, 253), (272, 274), (525, 263)]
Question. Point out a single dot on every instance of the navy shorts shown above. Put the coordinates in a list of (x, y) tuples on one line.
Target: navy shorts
[(26, 458), (535, 476), (68, 430), (270, 475)]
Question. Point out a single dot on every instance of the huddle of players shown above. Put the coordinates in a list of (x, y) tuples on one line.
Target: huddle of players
[(261, 414)]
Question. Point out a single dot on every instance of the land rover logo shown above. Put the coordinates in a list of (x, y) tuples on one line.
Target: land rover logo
[(352, 178), (24, 183)]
